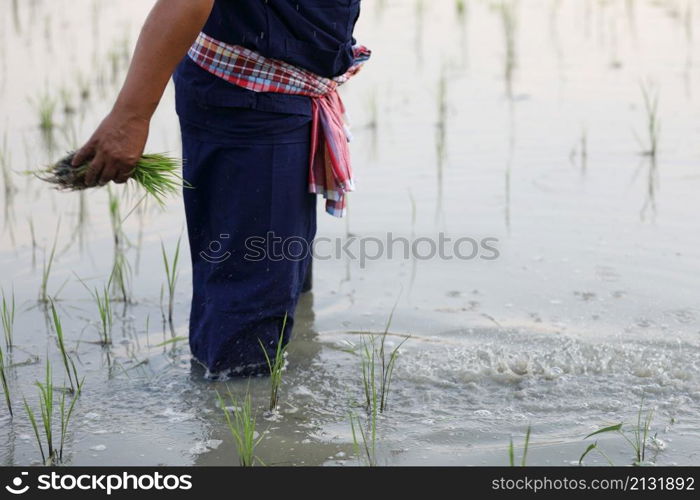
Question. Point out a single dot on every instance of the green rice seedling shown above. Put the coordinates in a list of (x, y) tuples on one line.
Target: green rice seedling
[(162, 307), (32, 233), (115, 218), (83, 84), (366, 444), (82, 220), (105, 311), (637, 437), (120, 276), (157, 174), (7, 314), (509, 22), (5, 385), (511, 449), (388, 362), (104, 308), (242, 427), (461, 7), (441, 130), (68, 364), (171, 274), (378, 365), (369, 378), (276, 365), (67, 101), (377, 371), (50, 454), (367, 447), (10, 188), (580, 152), (373, 106), (46, 108), (640, 433), (651, 107), (65, 414), (173, 341), (46, 413), (46, 271)]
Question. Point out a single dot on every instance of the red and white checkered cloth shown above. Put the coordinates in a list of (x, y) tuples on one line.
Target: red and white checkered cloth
[(330, 170)]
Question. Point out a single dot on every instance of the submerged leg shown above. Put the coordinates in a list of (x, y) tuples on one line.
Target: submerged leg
[(250, 223)]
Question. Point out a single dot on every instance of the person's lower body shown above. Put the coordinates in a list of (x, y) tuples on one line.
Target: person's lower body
[(309, 280), (251, 223)]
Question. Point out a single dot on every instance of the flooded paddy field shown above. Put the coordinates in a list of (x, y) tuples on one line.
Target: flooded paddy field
[(566, 133)]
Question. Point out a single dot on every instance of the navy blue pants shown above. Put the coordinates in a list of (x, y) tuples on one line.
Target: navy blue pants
[(248, 170)]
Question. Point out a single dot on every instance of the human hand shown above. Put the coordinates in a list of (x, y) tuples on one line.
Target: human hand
[(114, 148)]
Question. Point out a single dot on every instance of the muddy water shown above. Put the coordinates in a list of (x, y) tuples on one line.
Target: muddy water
[(525, 125)]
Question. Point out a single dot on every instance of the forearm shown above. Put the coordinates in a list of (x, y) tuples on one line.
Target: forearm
[(117, 144), (171, 28)]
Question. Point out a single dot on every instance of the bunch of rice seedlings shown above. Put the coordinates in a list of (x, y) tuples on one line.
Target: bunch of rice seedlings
[(68, 364), (242, 427), (157, 174), (171, 275), (50, 454), (5, 386), (511, 449), (637, 438), (7, 315), (276, 365)]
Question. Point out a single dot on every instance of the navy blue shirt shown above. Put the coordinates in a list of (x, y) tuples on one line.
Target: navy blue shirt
[(312, 34)]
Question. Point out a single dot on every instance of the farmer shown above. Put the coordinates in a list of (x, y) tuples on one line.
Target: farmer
[(262, 133)]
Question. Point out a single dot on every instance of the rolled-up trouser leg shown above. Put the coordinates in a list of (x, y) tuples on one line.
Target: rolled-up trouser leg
[(251, 222)]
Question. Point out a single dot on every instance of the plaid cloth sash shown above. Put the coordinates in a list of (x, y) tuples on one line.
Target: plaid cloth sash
[(330, 170)]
